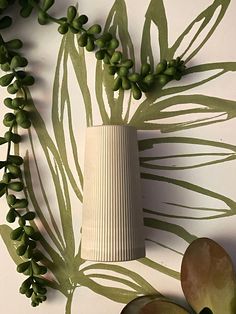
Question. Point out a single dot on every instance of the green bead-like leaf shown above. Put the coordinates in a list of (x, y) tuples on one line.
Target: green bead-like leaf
[(23, 203), (21, 116), (6, 79), (90, 44), (29, 230), (100, 54), (117, 83), (15, 170), (12, 89), (149, 79), (136, 92), (26, 11), (9, 119), (71, 13), (94, 29), (21, 268), (83, 39), (15, 234), (83, 19), (29, 293), (208, 277), (21, 249), (63, 28), (11, 215), (10, 136), (18, 62), (134, 77), (116, 57), (170, 71), (16, 102), (126, 85), (145, 69), (123, 71), (42, 18), (113, 44), (25, 286), (14, 44), (28, 80), (29, 216), (11, 199), (5, 22), (5, 67), (47, 4), (14, 159), (16, 186), (160, 68)]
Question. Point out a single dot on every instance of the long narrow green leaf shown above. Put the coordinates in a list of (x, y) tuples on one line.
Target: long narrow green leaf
[(155, 14), (192, 187), (147, 288), (203, 19), (115, 294), (163, 269), (169, 227), (79, 65), (59, 244), (117, 24), (59, 102)]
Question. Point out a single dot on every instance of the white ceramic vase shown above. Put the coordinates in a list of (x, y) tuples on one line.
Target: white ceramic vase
[(112, 223)]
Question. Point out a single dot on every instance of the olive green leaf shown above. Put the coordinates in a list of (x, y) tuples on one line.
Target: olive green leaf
[(116, 24), (134, 285), (220, 110), (77, 57), (226, 152), (208, 277), (229, 211), (202, 21), (155, 14), (61, 104)]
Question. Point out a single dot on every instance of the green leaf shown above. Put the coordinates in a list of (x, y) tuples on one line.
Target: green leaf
[(155, 14), (208, 277), (141, 285), (202, 21), (227, 152), (116, 24)]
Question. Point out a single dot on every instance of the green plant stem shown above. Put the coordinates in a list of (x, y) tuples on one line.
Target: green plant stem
[(69, 301)]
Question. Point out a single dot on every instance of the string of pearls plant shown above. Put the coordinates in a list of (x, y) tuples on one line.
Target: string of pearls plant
[(17, 81)]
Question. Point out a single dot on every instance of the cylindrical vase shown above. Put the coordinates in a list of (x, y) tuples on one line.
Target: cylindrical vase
[(112, 221)]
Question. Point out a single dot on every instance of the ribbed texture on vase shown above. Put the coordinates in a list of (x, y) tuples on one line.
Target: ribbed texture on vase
[(112, 226)]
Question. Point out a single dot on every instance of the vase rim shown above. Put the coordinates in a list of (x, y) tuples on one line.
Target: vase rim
[(111, 126)]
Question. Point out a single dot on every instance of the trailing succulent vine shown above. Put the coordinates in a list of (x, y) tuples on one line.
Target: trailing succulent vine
[(17, 81)]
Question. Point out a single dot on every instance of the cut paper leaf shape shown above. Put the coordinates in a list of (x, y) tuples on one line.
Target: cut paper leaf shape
[(208, 281), (208, 278)]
